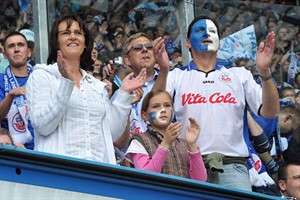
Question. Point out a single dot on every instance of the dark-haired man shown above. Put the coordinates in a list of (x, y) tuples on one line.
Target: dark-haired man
[(217, 98), (13, 107), (289, 179)]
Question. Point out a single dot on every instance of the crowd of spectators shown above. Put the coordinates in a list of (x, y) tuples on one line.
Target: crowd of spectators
[(117, 20), (282, 17), (111, 22)]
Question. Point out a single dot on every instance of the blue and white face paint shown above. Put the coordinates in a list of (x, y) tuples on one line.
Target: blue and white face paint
[(161, 118), (204, 36)]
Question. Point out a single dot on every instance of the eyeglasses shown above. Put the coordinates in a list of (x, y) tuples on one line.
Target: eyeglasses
[(139, 47), (68, 33)]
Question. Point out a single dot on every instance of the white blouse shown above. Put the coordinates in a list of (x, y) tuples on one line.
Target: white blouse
[(78, 122)]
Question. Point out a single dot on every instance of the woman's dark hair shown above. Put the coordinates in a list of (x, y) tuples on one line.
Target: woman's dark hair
[(85, 58), (200, 18), (150, 95)]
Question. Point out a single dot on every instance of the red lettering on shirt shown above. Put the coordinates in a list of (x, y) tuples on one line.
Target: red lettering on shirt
[(193, 99), (214, 98), (219, 98)]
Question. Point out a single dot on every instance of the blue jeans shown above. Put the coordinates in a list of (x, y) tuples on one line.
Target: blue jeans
[(234, 176)]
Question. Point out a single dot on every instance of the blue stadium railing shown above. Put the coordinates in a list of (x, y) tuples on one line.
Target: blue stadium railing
[(27, 174)]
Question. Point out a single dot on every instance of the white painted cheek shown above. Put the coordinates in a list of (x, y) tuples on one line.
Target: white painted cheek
[(213, 36), (162, 121), (215, 44)]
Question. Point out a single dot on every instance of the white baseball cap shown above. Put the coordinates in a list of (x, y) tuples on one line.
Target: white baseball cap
[(28, 34)]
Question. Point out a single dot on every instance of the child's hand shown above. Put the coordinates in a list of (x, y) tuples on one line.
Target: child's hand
[(172, 132), (191, 135)]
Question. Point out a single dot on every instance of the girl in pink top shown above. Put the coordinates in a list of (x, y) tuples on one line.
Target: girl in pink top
[(159, 149)]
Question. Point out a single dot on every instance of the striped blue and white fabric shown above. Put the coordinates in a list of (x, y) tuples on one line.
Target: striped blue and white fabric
[(241, 44)]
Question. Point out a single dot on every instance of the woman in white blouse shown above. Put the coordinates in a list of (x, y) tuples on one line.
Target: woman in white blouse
[(69, 109)]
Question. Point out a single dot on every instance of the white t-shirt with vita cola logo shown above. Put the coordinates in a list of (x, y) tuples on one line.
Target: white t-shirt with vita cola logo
[(217, 100)]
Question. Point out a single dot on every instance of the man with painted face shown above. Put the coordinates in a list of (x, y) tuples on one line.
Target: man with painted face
[(217, 98)]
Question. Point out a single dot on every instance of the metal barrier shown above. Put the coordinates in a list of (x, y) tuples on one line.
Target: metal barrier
[(27, 174)]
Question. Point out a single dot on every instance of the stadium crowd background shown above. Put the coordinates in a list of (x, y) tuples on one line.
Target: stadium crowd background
[(112, 21)]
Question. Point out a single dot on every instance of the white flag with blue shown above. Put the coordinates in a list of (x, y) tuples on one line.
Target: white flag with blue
[(241, 44)]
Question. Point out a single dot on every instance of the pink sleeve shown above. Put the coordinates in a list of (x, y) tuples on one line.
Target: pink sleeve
[(197, 167), (143, 161)]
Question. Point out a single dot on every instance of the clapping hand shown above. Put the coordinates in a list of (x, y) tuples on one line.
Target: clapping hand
[(131, 83), (138, 94), (191, 135), (62, 67), (160, 54), (108, 71), (265, 54), (172, 132), (108, 87)]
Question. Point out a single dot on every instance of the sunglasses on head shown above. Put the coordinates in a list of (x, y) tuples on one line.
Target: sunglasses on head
[(139, 47)]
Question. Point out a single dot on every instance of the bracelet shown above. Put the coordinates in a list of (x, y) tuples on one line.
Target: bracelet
[(265, 78)]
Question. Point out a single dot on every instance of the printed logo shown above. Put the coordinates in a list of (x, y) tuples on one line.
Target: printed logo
[(215, 98), (18, 123), (225, 77), (204, 82), (257, 162)]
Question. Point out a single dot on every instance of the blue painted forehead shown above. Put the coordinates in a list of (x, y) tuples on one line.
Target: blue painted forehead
[(204, 23)]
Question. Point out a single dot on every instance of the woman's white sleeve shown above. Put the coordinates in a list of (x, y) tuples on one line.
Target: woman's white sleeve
[(118, 116), (46, 103)]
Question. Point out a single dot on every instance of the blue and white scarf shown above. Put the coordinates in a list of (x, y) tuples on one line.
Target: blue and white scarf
[(17, 116)]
